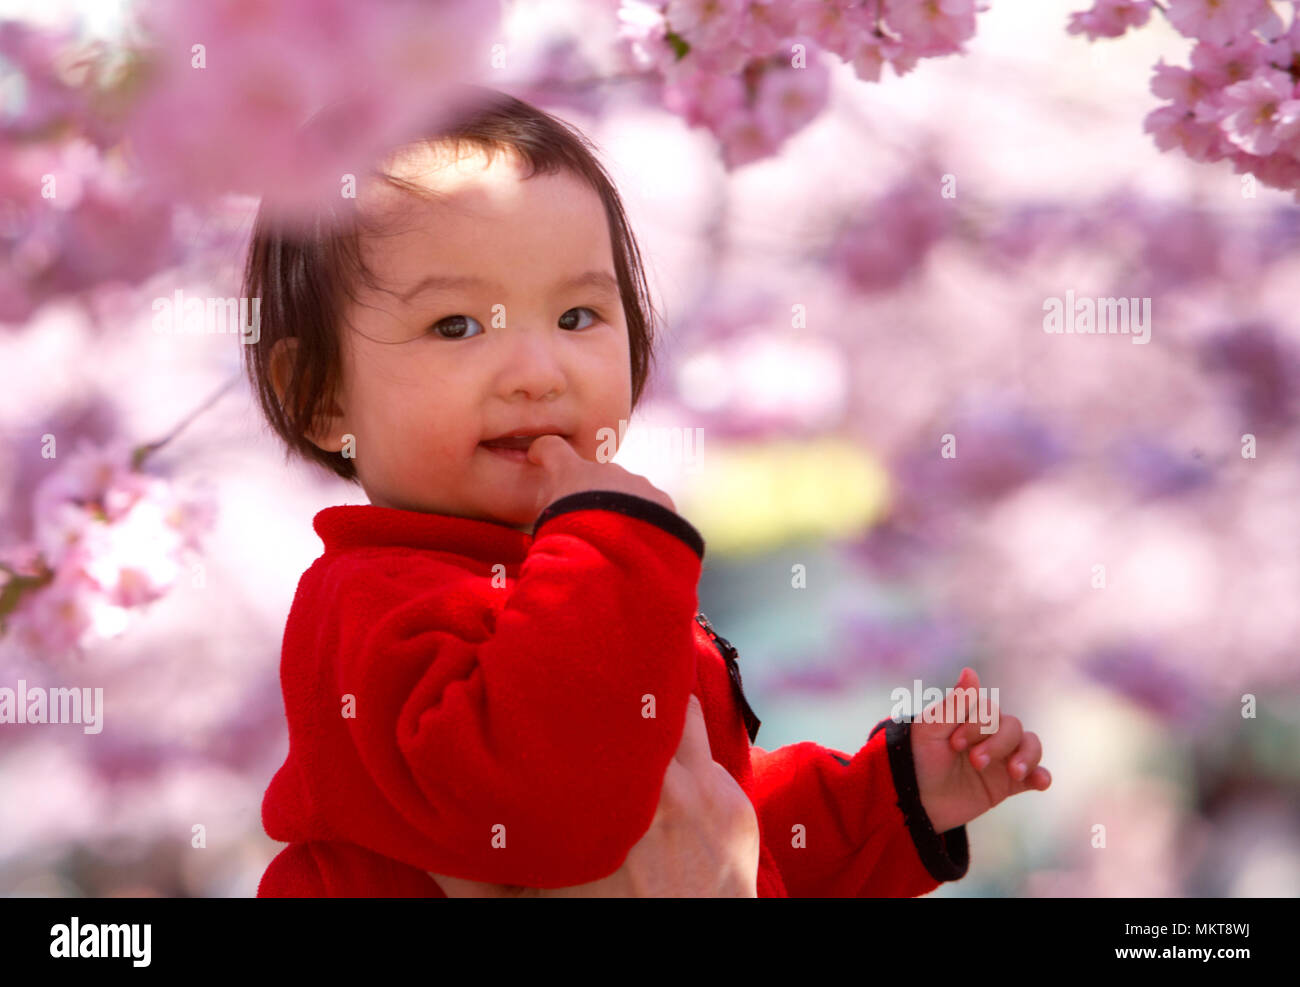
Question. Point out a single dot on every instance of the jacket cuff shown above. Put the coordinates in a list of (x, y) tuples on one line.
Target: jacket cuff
[(946, 855), (629, 504)]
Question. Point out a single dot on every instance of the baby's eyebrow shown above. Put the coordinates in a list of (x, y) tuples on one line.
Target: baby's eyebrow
[(599, 280)]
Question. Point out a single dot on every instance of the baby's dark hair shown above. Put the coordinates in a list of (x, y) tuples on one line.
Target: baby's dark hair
[(304, 270)]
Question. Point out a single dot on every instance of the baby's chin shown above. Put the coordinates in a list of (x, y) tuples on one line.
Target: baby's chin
[(515, 511), (520, 515)]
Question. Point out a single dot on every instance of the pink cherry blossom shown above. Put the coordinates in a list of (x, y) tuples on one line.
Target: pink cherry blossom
[(642, 31), (704, 98), (1218, 66), (1181, 85), (114, 539), (746, 137), (1216, 21), (1284, 50), (1238, 98), (86, 225), (135, 559), (1287, 127), (787, 99), (705, 23), (868, 56), (1175, 128), (83, 475), (50, 98), (1250, 110), (766, 25), (1276, 170), (712, 56), (235, 80), (834, 26), (884, 245), (932, 27), (1110, 18), (68, 615)]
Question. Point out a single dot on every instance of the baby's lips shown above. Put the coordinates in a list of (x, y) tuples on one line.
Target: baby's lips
[(518, 442)]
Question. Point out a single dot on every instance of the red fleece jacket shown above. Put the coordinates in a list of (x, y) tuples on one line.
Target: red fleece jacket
[(473, 700)]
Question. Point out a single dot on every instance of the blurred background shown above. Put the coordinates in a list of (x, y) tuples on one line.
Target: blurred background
[(853, 273)]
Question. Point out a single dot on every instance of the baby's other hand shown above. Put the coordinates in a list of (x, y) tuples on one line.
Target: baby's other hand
[(961, 772)]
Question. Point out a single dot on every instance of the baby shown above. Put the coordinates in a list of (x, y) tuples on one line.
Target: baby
[(487, 671)]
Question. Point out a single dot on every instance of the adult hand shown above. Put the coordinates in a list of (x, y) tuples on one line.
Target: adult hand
[(702, 842)]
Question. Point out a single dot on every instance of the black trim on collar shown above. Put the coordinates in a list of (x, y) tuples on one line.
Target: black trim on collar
[(625, 503), (945, 855)]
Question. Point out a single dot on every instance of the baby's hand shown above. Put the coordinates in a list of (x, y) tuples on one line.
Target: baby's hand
[(566, 473), (954, 787)]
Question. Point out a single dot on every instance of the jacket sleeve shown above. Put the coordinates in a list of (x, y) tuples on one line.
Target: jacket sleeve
[(535, 755), (844, 827)]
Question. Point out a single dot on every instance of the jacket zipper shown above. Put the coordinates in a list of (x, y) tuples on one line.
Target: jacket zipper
[(731, 657)]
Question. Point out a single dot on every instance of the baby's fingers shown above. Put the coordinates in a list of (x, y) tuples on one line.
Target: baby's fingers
[(1000, 745), (1040, 779), (1026, 757)]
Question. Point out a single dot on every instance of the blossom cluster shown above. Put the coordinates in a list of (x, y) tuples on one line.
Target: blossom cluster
[(749, 71), (1239, 98), (108, 539), (100, 144)]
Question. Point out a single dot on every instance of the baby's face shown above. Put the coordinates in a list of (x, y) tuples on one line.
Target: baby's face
[(431, 371)]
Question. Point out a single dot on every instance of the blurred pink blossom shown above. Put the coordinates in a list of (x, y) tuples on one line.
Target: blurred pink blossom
[(1173, 127), (1218, 66), (1167, 687), (933, 27), (233, 81), (1179, 85), (785, 100), (1110, 18), (60, 82), (113, 539), (69, 614), (75, 221), (999, 448), (1260, 369), (705, 23), (883, 245), (834, 26), (642, 32), (766, 25), (1218, 21)]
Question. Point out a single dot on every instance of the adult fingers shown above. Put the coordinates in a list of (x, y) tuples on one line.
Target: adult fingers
[(693, 750)]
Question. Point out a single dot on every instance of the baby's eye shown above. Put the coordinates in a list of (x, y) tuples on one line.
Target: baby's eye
[(456, 324), (580, 308)]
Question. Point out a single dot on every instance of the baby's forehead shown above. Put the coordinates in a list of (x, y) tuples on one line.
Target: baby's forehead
[(443, 171), (466, 209)]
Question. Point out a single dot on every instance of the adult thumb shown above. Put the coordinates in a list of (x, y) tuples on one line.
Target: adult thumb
[(693, 750)]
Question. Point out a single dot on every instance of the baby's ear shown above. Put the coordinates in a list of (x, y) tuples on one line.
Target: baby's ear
[(326, 432), (281, 362)]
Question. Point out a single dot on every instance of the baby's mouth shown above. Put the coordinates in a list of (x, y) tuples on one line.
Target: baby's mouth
[(514, 448), (521, 442), (518, 443)]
